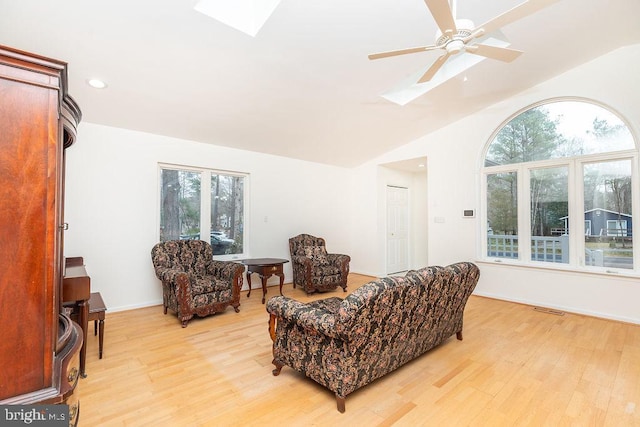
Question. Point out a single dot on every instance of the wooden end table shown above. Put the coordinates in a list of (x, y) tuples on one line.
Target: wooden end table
[(96, 314), (265, 268)]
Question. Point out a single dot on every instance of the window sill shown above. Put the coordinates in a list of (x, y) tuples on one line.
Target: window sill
[(563, 268)]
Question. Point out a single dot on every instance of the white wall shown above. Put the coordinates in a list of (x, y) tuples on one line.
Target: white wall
[(454, 157), (111, 205), (111, 201), (419, 222)]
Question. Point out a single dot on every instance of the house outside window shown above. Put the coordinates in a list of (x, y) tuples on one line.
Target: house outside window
[(557, 167), (617, 227), (204, 204)]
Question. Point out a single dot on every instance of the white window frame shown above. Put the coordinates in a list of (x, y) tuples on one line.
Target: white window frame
[(575, 204), (205, 204)]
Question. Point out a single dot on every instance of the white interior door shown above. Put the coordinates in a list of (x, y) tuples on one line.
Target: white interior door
[(397, 229)]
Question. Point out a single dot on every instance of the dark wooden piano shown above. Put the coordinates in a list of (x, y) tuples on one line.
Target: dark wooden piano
[(76, 291)]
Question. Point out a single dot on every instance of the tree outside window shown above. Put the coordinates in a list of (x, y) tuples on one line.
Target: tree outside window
[(212, 212)]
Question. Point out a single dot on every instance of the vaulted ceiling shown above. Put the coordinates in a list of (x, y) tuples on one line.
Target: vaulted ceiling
[(303, 87)]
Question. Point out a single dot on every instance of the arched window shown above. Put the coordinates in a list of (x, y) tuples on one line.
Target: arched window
[(560, 183)]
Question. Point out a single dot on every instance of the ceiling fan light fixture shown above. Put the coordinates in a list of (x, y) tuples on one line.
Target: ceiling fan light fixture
[(455, 46), (464, 28), (456, 36)]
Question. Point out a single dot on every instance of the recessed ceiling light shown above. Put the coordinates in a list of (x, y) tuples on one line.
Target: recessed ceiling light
[(421, 165), (96, 83)]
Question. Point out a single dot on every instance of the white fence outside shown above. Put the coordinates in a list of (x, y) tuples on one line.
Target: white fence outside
[(556, 249)]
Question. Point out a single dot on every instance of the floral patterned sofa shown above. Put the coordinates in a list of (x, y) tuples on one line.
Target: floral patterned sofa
[(344, 344), (193, 283)]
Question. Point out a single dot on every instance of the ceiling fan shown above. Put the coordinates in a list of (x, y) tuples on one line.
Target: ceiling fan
[(458, 35)]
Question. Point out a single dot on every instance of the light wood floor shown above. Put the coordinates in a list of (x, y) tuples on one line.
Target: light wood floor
[(515, 367)]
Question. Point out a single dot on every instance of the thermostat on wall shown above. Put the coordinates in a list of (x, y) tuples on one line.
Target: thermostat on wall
[(468, 213)]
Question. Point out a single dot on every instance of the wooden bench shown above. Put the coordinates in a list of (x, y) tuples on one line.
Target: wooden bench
[(97, 310)]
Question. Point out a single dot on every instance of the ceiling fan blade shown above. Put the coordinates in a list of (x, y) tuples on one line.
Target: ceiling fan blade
[(402, 52), (518, 12), (443, 16), (428, 75), (494, 52)]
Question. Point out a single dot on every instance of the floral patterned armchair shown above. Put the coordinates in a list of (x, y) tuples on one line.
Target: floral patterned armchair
[(192, 282), (314, 269)]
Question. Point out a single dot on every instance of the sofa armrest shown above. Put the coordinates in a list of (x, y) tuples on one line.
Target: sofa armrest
[(307, 316)]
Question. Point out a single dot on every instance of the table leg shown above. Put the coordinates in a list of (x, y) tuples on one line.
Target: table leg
[(101, 338), (84, 323), (281, 281), (264, 287), (249, 282)]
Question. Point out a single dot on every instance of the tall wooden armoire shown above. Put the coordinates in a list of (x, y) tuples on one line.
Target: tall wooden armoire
[(39, 345)]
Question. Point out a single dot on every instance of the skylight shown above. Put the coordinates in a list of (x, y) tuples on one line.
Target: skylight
[(247, 16)]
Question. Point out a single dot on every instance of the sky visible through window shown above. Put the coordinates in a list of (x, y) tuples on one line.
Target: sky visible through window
[(575, 122), (559, 129)]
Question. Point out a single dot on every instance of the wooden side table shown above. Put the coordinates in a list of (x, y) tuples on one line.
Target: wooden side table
[(96, 313), (76, 290), (265, 268)]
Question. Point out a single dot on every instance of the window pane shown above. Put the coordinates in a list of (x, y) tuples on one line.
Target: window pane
[(502, 214), (549, 215), (179, 205), (556, 130), (227, 213), (607, 214)]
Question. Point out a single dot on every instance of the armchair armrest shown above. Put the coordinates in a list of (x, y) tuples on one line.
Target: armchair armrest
[(302, 260), (304, 265), (172, 275), (342, 261), (225, 270), (305, 315), (177, 282), (339, 259)]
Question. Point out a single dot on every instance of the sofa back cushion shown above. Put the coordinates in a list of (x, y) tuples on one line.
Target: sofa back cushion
[(400, 317), (382, 305), (380, 322), (446, 296)]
